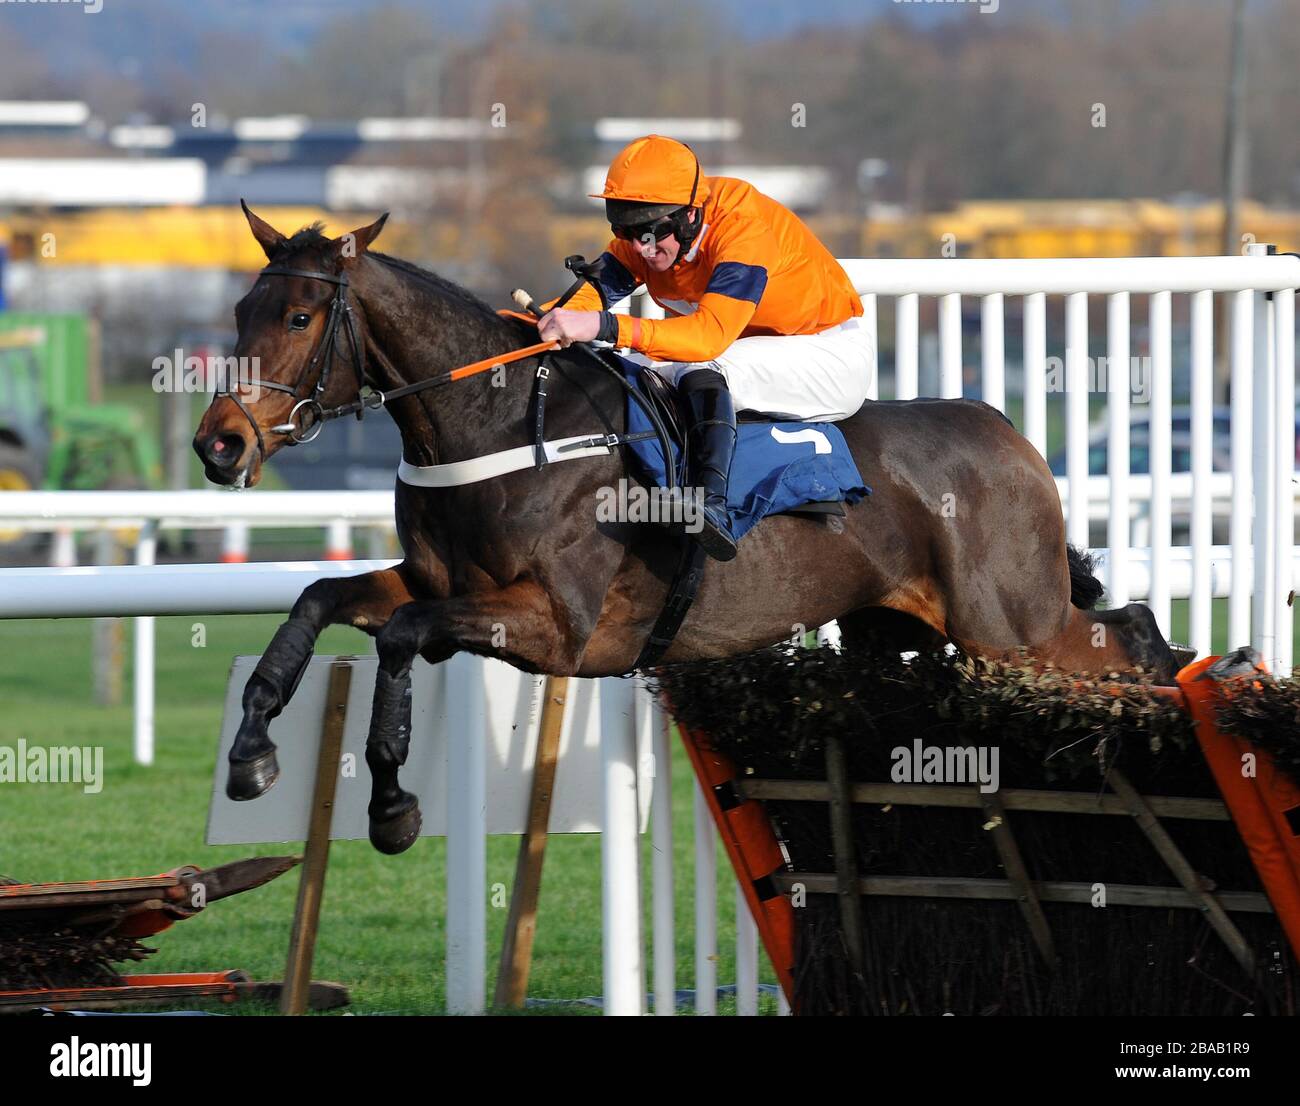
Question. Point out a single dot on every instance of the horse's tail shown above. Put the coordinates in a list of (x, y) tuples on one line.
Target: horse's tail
[(1085, 588)]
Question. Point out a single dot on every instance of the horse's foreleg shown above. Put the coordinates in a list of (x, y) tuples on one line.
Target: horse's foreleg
[(364, 601), (516, 624)]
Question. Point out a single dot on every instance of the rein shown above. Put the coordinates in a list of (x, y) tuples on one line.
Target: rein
[(686, 578), (340, 313)]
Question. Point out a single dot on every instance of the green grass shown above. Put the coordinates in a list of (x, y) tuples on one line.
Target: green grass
[(382, 928), (382, 931)]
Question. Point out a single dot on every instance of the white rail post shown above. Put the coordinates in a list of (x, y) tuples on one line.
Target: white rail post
[(1243, 348), (1202, 639), (1162, 374), (993, 385), (1117, 459), (907, 345), (145, 553), (1035, 362), (338, 540), (1263, 473), (869, 321), (63, 553), (624, 973), (950, 382), (1284, 444), (746, 958), (234, 543), (1076, 415), (661, 827), (106, 634), (706, 909), (464, 693)]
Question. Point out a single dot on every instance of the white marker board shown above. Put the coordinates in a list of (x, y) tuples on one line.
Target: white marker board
[(447, 701)]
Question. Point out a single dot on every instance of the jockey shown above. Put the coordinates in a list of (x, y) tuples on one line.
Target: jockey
[(761, 317)]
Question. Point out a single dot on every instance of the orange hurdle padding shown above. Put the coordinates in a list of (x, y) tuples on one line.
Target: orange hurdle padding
[(755, 853), (1259, 805)]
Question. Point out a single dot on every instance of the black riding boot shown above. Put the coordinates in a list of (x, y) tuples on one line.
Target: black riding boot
[(712, 444)]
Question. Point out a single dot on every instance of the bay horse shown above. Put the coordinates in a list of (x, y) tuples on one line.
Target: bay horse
[(962, 540)]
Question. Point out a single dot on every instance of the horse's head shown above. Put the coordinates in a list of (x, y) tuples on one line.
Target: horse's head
[(303, 343)]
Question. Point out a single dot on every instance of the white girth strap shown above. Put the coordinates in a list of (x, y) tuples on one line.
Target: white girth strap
[(474, 469)]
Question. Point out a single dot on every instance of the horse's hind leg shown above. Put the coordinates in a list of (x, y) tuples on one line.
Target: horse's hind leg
[(363, 601), (517, 624)]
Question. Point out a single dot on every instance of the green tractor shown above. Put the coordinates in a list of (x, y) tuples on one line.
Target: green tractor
[(24, 434), (52, 434)]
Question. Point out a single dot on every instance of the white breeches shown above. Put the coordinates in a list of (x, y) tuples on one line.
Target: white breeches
[(820, 377)]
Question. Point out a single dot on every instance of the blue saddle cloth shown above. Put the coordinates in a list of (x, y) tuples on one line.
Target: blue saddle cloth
[(778, 466)]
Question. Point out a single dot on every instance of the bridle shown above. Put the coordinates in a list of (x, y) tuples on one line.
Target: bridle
[(686, 578), (340, 313)]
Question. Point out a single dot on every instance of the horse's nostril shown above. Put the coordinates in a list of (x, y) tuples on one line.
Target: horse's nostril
[(223, 450)]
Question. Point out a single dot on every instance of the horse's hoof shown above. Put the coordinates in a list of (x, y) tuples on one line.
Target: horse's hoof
[(397, 834), (250, 778)]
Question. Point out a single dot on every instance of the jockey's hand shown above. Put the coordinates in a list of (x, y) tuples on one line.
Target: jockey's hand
[(566, 327)]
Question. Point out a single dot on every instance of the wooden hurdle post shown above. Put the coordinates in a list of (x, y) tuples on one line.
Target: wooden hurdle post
[(846, 862), (316, 854), (521, 924)]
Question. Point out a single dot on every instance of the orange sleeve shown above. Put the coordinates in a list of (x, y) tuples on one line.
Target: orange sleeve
[(738, 277), (585, 298), (620, 277)]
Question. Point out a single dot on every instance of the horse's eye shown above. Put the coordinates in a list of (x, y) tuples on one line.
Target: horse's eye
[(299, 321)]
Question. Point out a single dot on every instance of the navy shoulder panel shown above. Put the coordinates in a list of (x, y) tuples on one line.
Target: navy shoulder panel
[(739, 281), (616, 281)]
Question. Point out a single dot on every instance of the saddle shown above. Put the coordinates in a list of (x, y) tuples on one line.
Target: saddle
[(676, 420), (813, 486)]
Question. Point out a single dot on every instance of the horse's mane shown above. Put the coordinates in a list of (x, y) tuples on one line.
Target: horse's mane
[(308, 238), (448, 288), (314, 239)]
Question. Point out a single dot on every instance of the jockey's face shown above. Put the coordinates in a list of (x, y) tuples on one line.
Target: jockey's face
[(660, 256)]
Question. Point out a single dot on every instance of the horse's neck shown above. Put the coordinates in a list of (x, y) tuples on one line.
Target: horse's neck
[(417, 332)]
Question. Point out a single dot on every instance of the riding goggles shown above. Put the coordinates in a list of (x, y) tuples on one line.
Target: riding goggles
[(658, 229)]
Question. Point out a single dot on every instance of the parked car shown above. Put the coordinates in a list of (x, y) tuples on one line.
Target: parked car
[(1180, 443), (1139, 456)]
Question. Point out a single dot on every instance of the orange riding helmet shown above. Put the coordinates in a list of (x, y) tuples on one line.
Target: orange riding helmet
[(652, 177)]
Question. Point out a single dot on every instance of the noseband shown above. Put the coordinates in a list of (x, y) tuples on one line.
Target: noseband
[(340, 314)]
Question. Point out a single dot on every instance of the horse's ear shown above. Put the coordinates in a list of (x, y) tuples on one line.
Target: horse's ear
[(356, 242), (267, 236)]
